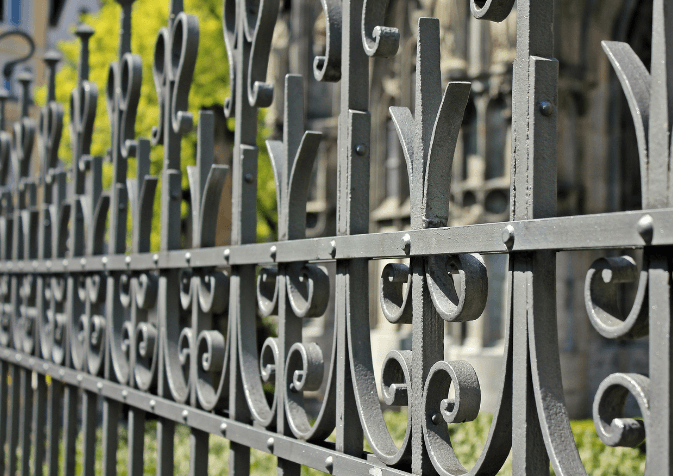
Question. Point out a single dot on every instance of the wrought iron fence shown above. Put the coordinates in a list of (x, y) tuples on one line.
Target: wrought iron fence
[(171, 333)]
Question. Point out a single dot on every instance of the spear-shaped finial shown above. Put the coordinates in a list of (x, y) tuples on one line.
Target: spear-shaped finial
[(25, 78), (429, 137), (84, 32), (51, 59)]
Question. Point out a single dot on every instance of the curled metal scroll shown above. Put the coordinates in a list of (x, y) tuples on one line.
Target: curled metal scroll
[(395, 302), (327, 67), (454, 305), (307, 289), (378, 40), (267, 291), (612, 429), (602, 297), (492, 10), (259, 21), (303, 368), (440, 410)]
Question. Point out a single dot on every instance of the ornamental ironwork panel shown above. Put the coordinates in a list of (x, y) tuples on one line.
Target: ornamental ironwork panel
[(86, 318)]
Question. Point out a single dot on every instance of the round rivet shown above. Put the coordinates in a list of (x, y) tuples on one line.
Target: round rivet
[(34, 264), (10, 265), (20, 265), (61, 373), (329, 463), (128, 260), (436, 418), (31, 362), (155, 258), (249, 178), (122, 205), (47, 223), (272, 252), (185, 414), (152, 403), (174, 195), (332, 245), (18, 357), (546, 108), (125, 393), (361, 149), (188, 256), (48, 264), (406, 243), (226, 254), (80, 377), (645, 228), (65, 263), (45, 367), (99, 386), (223, 427), (82, 262), (104, 260), (269, 443), (508, 236)]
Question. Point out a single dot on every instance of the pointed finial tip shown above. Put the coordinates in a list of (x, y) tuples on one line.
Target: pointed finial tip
[(24, 77), (84, 31), (52, 57)]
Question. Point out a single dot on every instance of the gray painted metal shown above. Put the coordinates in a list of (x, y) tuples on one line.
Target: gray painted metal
[(172, 333)]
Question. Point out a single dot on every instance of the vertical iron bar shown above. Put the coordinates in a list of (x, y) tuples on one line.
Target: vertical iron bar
[(69, 429), (26, 419), (40, 424), (3, 412), (13, 420), (54, 426), (136, 442), (89, 401), (533, 195), (242, 308), (198, 451), (351, 296), (659, 438)]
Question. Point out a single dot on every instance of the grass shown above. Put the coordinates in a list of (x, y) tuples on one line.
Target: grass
[(468, 440)]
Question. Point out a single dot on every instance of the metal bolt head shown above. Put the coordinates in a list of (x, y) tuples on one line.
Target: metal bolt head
[(436, 418), (127, 260), (645, 228), (104, 260), (82, 262), (223, 427), (272, 252), (249, 178), (546, 108), (185, 414), (269, 443), (329, 463), (332, 251), (155, 258), (80, 377), (406, 243), (188, 256), (65, 263), (152, 403), (99, 386), (361, 149), (125, 393), (227, 253), (508, 236)]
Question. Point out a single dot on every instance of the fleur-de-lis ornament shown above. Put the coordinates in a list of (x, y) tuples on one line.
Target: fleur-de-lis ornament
[(428, 139), (122, 96), (206, 293), (54, 188), (25, 221), (175, 54)]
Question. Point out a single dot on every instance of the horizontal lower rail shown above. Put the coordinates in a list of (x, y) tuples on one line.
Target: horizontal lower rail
[(611, 230), (284, 447)]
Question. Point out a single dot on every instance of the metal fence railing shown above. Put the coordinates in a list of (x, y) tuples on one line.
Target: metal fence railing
[(172, 333)]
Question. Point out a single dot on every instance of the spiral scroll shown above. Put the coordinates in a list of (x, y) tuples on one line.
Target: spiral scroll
[(602, 293)]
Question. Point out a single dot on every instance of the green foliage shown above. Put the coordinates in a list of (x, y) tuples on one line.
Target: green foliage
[(209, 88)]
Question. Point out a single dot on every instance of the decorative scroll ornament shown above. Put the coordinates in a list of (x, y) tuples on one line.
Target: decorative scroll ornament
[(209, 291), (26, 213), (378, 40), (327, 67), (292, 290), (257, 18), (53, 196)]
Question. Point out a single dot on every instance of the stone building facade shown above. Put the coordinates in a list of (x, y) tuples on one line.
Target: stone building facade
[(598, 168)]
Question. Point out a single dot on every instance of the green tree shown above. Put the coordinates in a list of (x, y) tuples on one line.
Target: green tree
[(209, 88)]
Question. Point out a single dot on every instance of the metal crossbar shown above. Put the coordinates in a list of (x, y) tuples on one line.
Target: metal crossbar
[(172, 333)]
